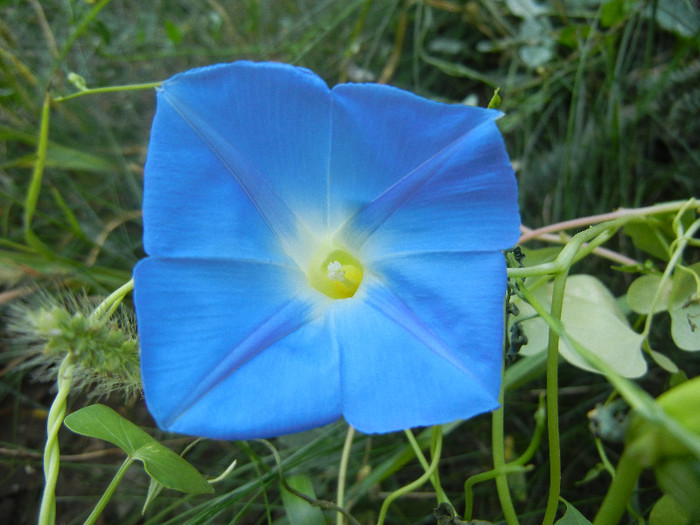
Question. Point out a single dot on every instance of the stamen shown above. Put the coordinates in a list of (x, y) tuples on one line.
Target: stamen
[(335, 271)]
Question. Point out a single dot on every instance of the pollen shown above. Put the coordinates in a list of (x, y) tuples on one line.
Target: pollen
[(335, 273)]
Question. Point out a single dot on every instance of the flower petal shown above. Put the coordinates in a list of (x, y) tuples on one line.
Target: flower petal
[(404, 168), (234, 149), (424, 345), (230, 349)]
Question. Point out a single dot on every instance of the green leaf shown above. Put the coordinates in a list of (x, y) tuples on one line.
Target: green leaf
[(161, 463), (652, 236), (592, 474), (525, 8), (592, 318), (641, 294), (77, 81), (573, 35), (572, 516), (57, 156), (524, 370), (540, 48), (680, 478), (495, 101), (66, 158), (676, 435), (154, 490), (456, 69), (664, 361), (614, 11), (684, 307), (667, 510), (298, 511), (173, 32), (678, 16)]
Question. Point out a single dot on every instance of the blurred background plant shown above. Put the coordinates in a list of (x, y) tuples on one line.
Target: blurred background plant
[(602, 110)]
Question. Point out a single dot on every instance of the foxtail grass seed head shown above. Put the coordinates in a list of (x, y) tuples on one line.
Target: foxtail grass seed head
[(105, 350)]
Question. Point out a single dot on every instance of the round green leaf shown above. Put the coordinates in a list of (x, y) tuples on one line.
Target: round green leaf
[(667, 510), (684, 307), (592, 318), (642, 291)]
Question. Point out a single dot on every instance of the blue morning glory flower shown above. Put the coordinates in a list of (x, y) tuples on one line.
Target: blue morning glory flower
[(319, 252)]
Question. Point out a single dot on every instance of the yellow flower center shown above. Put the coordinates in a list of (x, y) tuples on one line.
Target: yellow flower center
[(335, 273)]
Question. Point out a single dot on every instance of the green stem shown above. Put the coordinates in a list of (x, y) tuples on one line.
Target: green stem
[(437, 440), (620, 492), (52, 454), (637, 398), (224, 474), (38, 172), (540, 417), (109, 89), (353, 43), (679, 247), (323, 504), (553, 403), (607, 217), (109, 492), (509, 468), (572, 250), (79, 30), (416, 449), (499, 459), (435, 479), (107, 307), (343, 472), (515, 466), (604, 457)]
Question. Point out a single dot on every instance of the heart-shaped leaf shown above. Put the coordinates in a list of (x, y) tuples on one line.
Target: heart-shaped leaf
[(684, 307), (642, 291), (591, 317), (161, 463)]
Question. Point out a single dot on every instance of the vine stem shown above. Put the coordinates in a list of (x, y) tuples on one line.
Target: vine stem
[(437, 450), (628, 470), (435, 478), (343, 472), (516, 466), (679, 247), (604, 217), (605, 253), (32, 197), (553, 403), (323, 504), (636, 397), (107, 307), (499, 459), (109, 492), (57, 413), (52, 454), (109, 89), (79, 29)]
